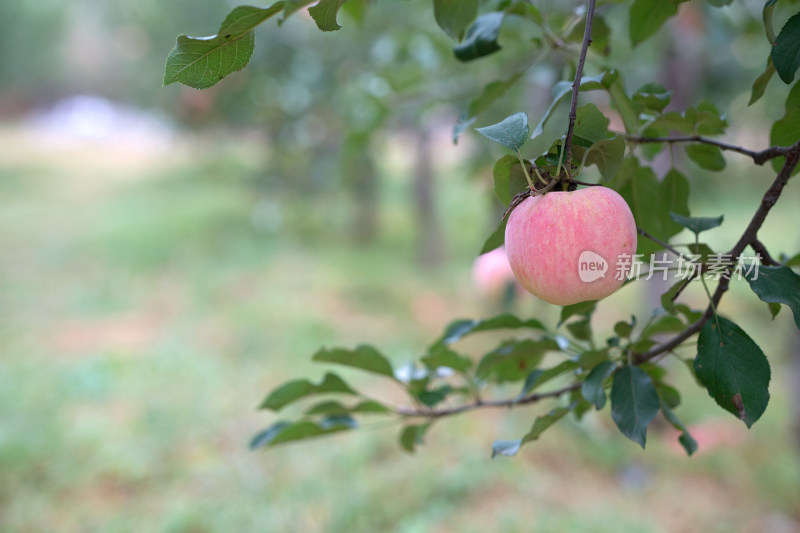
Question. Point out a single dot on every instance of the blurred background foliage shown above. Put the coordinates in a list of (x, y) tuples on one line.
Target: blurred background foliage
[(169, 255)]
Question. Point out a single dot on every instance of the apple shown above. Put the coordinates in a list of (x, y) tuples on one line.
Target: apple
[(571, 247), (491, 273)]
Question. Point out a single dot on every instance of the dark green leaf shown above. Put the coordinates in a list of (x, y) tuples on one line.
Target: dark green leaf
[(774, 309), (702, 250), (292, 391), (511, 132), (363, 357), (647, 16), (707, 119), (591, 126), (601, 35), (667, 298), (706, 156), (760, 85), (623, 329), (592, 387), (790, 261), (201, 62), (580, 329), (733, 369), (786, 52), (786, 130), (292, 6), (674, 197), (583, 309), (634, 403), (686, 440), (429, 398), (513, 360), (507, 448), (643, 192), (444, 357), (413, 436), (509, 179), (668, 395), (697, 225), (778, 284), (453, 16), (461, 328), (481, 38), (496, 239), (324, 14), (291, 431)]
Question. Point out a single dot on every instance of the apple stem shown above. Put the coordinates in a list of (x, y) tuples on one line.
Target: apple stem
[(525, 171)]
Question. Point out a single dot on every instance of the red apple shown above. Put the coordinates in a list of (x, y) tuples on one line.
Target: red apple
[(570, 247)]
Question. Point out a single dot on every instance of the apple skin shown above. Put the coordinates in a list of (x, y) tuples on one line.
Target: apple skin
[(546, 235)]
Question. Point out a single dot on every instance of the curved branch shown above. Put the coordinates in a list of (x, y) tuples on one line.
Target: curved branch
[(576, 85), (759, 157)]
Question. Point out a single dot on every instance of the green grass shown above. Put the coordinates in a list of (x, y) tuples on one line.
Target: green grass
[(144, 319)]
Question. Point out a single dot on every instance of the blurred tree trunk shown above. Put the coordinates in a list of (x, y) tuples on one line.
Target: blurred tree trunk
[(361, 176), (429, 231)]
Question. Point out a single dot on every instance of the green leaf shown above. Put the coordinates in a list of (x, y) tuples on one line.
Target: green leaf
[(336, 408), (769, 7), (733, 369), (431, 397), (590, 359), (667, 298), (444, 357), (786, 52), (200, 62), (647, 16), (697, 225), (663, 324), (778, 284), (363, 357), (669, 395), (580, 329), (511, 132), (453, 16), (607, 155), (481, 38), (292, 6), (459, 329), (774, 309), (760, 85), (634, 403), (706, 156), (292, 391), (719, 3), (412, 436), (539, 377), (583, 309), (281, 432), (592, 387), (786, 130), (496, 239), (507, 448), (513, 360), (324, 14), (701, 249), (603, 81), (674, 198), (490, 94), (652, 96), (601, 35), (686, 440), (591, 126), (509, 179), (545, 421)]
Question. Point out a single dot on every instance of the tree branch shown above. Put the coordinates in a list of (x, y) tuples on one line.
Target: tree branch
[(576, 86), (758, 157), (760, 249), (531, 398)]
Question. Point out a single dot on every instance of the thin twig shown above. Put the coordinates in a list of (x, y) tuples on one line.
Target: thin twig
[(761, 250), (576, 85), (759, 157), (511, 402), (666, 246)]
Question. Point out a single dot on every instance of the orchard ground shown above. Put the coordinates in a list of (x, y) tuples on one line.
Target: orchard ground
[(150, 299)]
